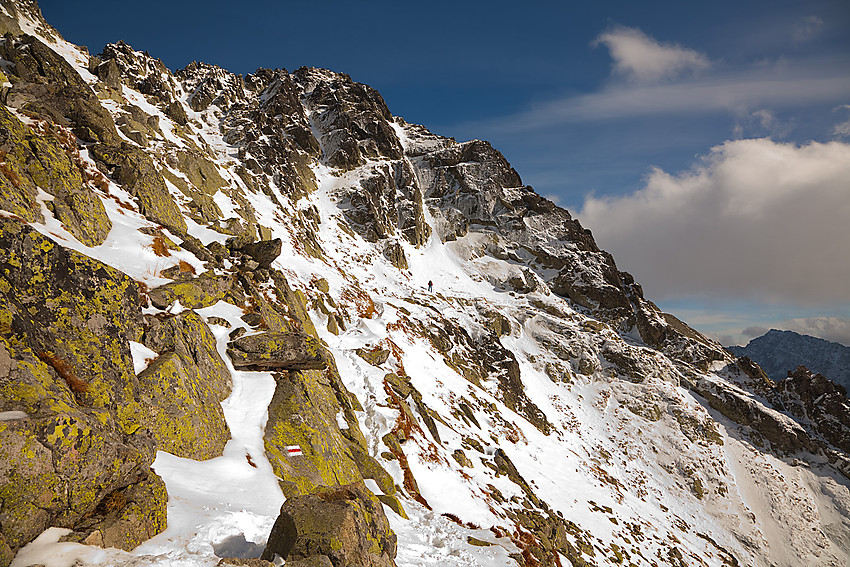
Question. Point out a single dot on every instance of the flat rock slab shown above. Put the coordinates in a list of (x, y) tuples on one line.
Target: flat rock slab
[(277, 351)]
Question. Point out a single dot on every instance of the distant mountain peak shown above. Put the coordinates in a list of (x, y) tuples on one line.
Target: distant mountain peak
[(779, 352)]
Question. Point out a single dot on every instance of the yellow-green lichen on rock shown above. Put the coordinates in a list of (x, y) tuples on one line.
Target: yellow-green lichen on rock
[(29, 162), (189, 336), (75, 312), (126, 517), (303, 412), (194, 293), (65, 363), (181, 413)]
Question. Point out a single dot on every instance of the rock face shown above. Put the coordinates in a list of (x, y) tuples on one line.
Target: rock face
[(66, 322), (815, 399), (33, 162), (346, 524)]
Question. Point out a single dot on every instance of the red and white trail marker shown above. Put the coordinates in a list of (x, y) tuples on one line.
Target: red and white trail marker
[(294, 451)]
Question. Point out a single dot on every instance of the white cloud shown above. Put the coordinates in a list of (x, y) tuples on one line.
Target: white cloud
[(755, 220), (740, 93), (640, 57), (835, 329), (842, 129), (807, 28)]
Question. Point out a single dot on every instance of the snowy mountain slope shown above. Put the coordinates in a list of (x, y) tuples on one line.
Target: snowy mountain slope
[(533, 409)]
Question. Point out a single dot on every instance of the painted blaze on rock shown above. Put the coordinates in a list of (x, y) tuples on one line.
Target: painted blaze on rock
[(277, 350)]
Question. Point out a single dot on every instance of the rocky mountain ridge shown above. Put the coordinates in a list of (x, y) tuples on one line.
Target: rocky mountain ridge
[(780, 352), (208, 272)]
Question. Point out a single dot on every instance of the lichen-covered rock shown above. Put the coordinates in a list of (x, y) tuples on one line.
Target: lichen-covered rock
[(194, 293), (126, 517), (75, 312), (187, 335), (65, 322), (369, 467), (347, 524), (182, 389), (133, 169), (46, 85), (277, 350), (33, 162), (180, 410), (303, 412)]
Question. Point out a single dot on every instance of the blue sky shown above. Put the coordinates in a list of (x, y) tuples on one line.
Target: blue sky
[(706, 145)]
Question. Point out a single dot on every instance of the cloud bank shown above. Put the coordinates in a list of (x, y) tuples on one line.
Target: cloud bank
[(641, 58), (754, 220), (835, 329)]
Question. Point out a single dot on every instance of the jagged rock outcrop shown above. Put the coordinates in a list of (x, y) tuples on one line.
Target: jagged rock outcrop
[(353, 118), (783, 432), (44, 85), (346, 524), (817, 400)]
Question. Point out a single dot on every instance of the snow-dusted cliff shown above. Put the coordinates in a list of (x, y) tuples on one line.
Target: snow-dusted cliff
[(269, 240)]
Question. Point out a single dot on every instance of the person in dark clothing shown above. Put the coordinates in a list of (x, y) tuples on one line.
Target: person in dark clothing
[(430, 285)]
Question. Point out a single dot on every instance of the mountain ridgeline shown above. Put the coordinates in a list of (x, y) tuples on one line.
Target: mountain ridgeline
[(780, 352), (217, 347)]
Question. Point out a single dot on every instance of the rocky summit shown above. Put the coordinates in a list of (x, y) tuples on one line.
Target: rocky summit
[(220, 345)]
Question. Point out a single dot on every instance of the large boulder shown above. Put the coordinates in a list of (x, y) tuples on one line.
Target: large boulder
[(181, 411), (69, 436), (182, 389), (346, 524), (278, 351), (263, 252), (194, 293), (303, 412)]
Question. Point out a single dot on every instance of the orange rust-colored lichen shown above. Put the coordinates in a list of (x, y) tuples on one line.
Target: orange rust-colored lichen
[(65, 371), (186, 267), (159, 247), (360, 300)]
